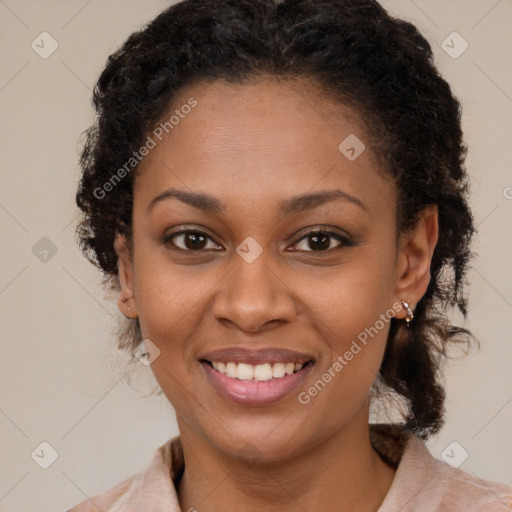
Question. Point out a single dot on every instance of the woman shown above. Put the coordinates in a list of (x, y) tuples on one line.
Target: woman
[(277, 192)]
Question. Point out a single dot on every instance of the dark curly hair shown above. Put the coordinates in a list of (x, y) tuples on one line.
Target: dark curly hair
[(357, 53)]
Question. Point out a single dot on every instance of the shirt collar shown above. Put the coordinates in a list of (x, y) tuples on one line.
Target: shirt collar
[(155, 488)]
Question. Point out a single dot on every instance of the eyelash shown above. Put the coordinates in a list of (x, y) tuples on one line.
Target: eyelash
[(345, 242)]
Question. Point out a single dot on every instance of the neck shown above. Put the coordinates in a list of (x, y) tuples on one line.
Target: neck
[(341, 473)]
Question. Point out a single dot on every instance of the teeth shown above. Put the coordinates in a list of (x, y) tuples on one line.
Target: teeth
[(231, 370), (259, 372), (278, 370), (245, 371), (262, 371)]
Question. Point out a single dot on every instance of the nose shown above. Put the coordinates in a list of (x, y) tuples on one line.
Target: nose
[(254, 297)]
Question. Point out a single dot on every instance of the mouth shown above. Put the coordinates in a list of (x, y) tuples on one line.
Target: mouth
[(256, 373), (258, 384)]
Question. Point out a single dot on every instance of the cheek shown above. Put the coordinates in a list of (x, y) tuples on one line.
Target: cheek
[(169, 307), (168, 296), (356, 335), (350, 297), (353, 307)]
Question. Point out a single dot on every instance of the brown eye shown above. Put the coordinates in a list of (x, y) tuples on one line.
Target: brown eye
[(320, 241), (189, 240)]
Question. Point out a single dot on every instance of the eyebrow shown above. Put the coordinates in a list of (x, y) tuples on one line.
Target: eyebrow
[(293, 205)]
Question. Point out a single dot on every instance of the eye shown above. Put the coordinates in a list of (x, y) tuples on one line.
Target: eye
[(314, 241), (320, 241), (191, 240)]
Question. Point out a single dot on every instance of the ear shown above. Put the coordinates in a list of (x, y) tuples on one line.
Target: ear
[(414, 258), (126, 299)]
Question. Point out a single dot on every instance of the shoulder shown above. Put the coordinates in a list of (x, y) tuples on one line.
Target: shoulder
[(105, 500), (139, 491), (425, 483), (466, 491)]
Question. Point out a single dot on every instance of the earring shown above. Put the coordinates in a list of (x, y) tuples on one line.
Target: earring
[(410, 314), (124, 300)]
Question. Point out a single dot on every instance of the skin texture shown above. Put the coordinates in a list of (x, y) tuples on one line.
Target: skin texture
[(252, 146)]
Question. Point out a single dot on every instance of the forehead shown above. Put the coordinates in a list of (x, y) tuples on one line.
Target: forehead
[(258, 141)]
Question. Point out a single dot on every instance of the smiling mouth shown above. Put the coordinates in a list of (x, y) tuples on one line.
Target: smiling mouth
[(256, 373)]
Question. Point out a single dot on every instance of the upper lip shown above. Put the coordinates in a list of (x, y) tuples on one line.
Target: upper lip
[(256, 356)]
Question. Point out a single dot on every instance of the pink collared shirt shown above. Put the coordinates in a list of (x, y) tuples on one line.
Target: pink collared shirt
[(422, 483)]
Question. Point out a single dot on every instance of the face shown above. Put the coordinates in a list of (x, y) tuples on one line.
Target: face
[(247, 269)]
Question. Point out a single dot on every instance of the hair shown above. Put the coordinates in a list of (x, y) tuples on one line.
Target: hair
[(354, 50)]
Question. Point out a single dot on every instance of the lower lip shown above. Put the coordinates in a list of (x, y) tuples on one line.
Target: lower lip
[(255, 393)]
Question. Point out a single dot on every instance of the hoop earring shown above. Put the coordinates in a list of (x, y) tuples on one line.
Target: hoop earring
[(410, 314)]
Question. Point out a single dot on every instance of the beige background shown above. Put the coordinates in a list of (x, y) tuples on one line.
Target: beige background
[(61, 379)]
